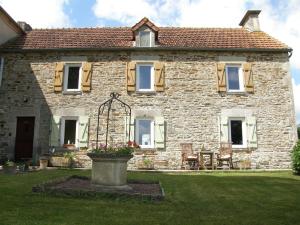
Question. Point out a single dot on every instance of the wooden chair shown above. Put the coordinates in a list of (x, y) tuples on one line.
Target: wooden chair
[(225, 155), (190, 160)]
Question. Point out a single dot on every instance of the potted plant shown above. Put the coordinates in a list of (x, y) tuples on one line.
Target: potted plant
[(9, 167), (109, 164), (61, 158), (70, 156), (146, 163), (44, 160)]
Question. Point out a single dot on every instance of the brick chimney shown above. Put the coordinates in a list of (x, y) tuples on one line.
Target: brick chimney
[(251, 21), (25, 26)]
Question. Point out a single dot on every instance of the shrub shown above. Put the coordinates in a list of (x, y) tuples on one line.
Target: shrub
[(296, 158)]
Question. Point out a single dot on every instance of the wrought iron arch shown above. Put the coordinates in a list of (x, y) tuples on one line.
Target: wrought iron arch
[(113, 97)]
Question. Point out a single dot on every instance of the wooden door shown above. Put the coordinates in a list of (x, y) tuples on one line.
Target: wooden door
[(24, 138)]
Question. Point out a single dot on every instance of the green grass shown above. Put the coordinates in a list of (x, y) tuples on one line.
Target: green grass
[(218, 198)]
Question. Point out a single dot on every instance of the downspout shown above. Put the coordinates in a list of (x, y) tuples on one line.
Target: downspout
[(290, 53)]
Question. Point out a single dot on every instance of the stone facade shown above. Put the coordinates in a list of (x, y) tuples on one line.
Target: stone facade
[(190, 105)]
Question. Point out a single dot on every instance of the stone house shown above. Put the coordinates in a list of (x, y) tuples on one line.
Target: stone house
[(184, 85)]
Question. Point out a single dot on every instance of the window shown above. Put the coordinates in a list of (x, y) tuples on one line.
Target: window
[(1, 69), (145, 133), (145, 77), (145, 38), (72, 77), (237, 132), (234, 78), (69, 131)]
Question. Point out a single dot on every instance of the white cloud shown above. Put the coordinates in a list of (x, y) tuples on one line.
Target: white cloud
[(130, 12), (296, 88), (211, 13), (38, 13), (126, 12)]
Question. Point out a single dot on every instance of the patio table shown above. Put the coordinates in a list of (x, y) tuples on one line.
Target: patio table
[(211, 155)]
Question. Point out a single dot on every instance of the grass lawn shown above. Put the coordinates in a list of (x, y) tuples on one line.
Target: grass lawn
[(266, 198)]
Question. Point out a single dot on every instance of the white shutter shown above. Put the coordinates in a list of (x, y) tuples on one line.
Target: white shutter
[(159, 132), (130, 124), (55, 131), (224, 129), (83, 131), (251, 132)]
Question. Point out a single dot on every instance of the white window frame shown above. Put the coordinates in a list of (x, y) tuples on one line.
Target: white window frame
[(139, 75), (150, 36), (1, 69), (151, 132), (66, 76), (63, 125), (241, 78), (244, 131)]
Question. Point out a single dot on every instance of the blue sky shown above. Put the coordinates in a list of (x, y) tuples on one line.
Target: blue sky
[(279, 18)]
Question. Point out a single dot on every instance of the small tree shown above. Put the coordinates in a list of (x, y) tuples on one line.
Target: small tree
[(296, 158)]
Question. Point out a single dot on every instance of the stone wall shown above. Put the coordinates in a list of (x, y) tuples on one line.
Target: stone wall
[(190, 103)]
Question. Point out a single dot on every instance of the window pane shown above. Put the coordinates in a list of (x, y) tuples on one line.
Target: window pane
[(144, 135), (70, 132), (145, 39), (145, 77), (73, 77), (233, 78), (236, 132)]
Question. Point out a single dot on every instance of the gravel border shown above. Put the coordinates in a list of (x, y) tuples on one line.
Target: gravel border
[(80, 186)]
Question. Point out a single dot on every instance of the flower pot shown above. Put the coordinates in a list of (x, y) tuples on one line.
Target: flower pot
[(108, 169), (59, 161), (43, 163)]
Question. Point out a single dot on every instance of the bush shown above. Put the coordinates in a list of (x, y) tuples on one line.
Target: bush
[(296, 158)]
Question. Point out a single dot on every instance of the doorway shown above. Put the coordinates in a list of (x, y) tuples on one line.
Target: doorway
[(24, 138)]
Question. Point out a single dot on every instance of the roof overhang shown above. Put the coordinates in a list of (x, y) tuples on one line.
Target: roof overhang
[(135, 49)]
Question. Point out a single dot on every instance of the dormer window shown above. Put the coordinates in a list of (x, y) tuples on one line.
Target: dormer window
[(145, 38), (145, 34)]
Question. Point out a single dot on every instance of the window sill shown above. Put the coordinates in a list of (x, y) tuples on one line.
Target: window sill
[(72, 92), (237, 93), (146, 92), (145, 151)]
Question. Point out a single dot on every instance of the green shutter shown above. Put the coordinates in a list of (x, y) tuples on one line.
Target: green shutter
[(251, 132), (55, 131), (83, 132), (159, 132), (130, 124), (224, 129)]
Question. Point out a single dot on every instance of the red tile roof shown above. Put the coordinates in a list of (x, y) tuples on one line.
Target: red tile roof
[(99, 38), (147, 22)]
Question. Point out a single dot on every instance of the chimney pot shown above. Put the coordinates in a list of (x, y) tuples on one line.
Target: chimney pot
[(251, 21)]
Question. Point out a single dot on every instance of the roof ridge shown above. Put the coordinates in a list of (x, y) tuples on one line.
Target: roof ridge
[(78, 28), (171, 27), (223, 28)]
